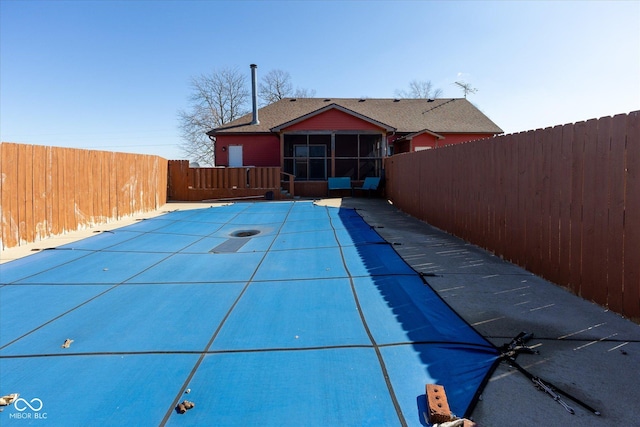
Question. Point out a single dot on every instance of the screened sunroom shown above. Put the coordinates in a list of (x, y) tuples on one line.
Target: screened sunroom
[(316, 156)]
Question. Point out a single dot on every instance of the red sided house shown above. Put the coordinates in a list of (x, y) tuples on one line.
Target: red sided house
[(318, 138)]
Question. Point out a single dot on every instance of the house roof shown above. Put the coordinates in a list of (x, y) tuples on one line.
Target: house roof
[(447, 115)]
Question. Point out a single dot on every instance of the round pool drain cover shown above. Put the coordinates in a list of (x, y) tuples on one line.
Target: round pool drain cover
[(244, 233)]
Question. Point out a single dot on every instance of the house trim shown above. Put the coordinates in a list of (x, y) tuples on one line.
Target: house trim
[(414, 134)]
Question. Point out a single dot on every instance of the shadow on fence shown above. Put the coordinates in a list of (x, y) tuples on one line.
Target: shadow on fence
[(562, 202)]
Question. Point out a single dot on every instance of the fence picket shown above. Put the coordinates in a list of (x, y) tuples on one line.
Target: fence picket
[(589, 251), (631, 296), (564, 183), (615, 225)]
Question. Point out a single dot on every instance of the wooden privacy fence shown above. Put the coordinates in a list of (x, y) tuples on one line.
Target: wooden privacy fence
[(196, 184), (562, 202), (46, 191)]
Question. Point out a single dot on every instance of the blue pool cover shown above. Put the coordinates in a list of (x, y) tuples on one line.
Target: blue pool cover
[(271, 314)]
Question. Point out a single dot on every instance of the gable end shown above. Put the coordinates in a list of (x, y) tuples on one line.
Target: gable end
[(333, 117)]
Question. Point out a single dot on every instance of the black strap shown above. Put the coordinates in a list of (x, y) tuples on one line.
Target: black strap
[(510, 351)]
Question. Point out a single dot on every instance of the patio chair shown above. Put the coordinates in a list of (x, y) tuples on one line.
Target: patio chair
[(370, 184)]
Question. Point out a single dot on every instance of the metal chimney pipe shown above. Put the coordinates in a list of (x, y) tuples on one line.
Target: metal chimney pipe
[(254, 94)]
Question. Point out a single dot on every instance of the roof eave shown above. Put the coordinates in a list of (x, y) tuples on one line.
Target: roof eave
[(214, 131), (261, 132)]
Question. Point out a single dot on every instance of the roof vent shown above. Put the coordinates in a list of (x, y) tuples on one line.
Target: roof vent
[(396, 100), (361, 100), (327, 100), (292, 100), (429, 100)]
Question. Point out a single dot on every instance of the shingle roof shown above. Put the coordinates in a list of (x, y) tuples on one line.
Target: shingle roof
[(448, 115)]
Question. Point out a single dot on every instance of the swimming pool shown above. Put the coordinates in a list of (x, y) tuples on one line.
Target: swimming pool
[(269, 313)]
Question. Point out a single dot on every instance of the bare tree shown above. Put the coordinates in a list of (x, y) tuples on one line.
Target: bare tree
[(276, 85), (221, 97), (420, 89), (466, 88), (215, 99), (304, 93)]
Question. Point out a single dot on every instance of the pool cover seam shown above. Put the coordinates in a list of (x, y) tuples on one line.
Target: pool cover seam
[(208, 282), (171, 409), (383, 367), (184, 250), (253, 350)]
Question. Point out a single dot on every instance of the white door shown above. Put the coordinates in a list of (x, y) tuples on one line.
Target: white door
[(235, 156)]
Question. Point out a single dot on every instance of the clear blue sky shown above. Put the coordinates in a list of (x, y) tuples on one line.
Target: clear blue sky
[(112, 74)]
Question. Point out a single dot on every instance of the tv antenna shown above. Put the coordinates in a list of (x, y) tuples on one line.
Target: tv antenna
[(466, 88)]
